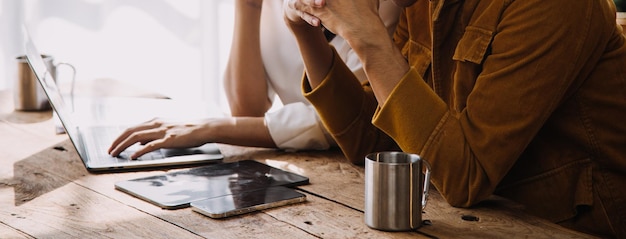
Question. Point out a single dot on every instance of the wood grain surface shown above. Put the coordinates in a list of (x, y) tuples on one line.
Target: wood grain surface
[(45, 192)]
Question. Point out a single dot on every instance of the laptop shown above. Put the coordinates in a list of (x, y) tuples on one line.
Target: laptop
[(92, 141)]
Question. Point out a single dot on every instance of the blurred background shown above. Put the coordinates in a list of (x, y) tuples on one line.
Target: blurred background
[(177, 48), (621, 5)]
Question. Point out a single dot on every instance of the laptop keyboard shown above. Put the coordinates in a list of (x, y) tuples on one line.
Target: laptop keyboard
[(149, 156)]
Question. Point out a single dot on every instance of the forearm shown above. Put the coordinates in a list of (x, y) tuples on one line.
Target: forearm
[(382, 61), (359, 23), (347, 115), (243, 131), (317, 54), (244, 78)]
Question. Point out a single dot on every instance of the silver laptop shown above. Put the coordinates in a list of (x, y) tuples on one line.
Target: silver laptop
[(92, 141)]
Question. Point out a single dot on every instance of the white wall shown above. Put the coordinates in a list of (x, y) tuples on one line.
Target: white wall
[(175, 47)]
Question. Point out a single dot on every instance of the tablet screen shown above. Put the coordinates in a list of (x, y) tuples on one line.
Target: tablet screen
[(177, 189)]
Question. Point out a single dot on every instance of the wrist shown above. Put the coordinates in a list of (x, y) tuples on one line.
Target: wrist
[(382, 61), (248, 10), (298, 26), (213, 129), (374, 37), (253, 4), (304, 32)]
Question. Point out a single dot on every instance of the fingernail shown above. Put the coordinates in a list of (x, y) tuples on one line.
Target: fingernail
[(318, 2), (315, 22)]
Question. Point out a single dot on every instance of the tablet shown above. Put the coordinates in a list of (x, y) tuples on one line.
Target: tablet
[(178, 189), (251, 201)]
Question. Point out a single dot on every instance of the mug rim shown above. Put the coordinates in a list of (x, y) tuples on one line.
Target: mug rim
[(412, 158)]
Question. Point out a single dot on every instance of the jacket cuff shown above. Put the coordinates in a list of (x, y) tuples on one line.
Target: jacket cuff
[(411, 113)]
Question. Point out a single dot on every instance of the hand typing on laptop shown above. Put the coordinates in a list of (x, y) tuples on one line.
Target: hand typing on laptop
[(154, 135), (158, 133)]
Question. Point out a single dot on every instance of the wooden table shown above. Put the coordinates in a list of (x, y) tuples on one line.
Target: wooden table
[(47, 193)]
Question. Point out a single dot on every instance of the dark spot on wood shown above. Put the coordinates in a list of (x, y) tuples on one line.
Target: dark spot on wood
[(469, 218)]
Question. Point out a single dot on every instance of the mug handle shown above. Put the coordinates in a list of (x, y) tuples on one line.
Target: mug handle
[(73, 80), (426, 184)]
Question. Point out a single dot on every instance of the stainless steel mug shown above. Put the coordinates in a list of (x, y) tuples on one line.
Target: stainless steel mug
[(28, 94), (396, 190)]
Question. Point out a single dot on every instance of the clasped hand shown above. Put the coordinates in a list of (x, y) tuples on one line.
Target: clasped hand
[(342, 17)]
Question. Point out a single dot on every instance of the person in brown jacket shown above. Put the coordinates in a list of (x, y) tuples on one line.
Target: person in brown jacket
[(523, 99)]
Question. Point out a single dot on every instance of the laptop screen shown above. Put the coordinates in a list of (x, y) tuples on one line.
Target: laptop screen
[(53, 92)]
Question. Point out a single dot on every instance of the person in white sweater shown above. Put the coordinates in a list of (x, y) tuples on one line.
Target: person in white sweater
[(264, 62)]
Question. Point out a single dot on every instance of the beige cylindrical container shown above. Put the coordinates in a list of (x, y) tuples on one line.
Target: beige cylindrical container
[(28, 94)]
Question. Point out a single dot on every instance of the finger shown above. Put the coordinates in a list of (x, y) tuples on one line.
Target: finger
[(128, 132), (301, 7), (313, 3), (152, 146), (319, 3), (310, 19), (140, 136)]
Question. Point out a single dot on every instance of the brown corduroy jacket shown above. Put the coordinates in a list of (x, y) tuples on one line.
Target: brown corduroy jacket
[(524, 99)]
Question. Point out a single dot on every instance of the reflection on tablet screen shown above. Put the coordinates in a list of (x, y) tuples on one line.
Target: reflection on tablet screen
[(177, 189)]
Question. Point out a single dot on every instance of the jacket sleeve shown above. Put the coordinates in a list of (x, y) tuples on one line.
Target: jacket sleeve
[(345, 106)]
